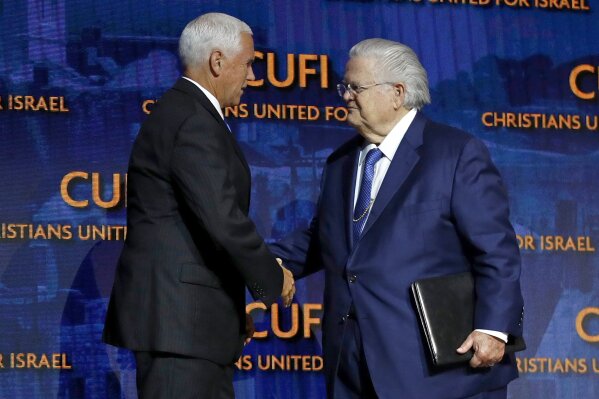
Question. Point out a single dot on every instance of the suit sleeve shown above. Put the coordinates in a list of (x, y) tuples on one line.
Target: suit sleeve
[(300, 251), (200, 170), (481, 210)]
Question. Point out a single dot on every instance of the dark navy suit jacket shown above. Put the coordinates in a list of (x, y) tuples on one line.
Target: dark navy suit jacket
[(442, 209)]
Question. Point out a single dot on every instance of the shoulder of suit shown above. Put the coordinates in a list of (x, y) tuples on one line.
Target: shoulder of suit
[(439, 133), (179, 102), (345, 148)]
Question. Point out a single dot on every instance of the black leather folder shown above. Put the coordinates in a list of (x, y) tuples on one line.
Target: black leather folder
[(445, 307)]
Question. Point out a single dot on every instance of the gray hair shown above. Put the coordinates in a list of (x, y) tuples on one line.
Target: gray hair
[(399, 64), (209, 32)]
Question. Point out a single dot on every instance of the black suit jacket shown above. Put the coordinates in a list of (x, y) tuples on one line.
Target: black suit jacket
[(190, 246)]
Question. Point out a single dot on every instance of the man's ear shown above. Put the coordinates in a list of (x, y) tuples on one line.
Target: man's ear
[(216, 62), (400, 95)]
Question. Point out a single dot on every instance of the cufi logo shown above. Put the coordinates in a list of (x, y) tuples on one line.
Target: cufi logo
[(582, 324), (580, 75)]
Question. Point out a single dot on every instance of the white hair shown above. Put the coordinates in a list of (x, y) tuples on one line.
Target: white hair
[(398, 64), (208, 32)]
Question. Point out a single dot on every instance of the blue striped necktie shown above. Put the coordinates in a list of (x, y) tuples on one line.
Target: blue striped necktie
[(364, 202)]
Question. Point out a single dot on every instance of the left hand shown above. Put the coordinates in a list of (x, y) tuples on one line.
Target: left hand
[(249, 329), (488, 350)]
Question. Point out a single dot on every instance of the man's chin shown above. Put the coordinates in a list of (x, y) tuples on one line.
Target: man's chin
[(234, 103), (353, 120)]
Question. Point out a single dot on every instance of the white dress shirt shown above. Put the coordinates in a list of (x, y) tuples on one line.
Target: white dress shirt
[(388, 147)]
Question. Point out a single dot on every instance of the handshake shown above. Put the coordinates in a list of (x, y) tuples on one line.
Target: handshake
[(288, 285), (286, 295)]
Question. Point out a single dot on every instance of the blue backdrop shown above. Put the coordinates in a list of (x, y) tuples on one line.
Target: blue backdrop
[(78, 77)]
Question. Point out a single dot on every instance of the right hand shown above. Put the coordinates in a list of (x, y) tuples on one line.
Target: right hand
[(288, 285), (488, 350)]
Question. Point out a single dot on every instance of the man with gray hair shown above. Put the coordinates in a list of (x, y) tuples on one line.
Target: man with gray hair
[(178, 299), (404, 200)]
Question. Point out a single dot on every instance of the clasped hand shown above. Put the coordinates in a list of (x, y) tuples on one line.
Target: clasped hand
[(288, 285), (488, 350), (286, 295)]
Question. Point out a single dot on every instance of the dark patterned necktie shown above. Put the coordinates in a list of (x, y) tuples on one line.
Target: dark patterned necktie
[(364, 202)]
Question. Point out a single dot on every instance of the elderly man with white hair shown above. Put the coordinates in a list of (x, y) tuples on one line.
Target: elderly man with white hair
[(178, 299), (403, 200)]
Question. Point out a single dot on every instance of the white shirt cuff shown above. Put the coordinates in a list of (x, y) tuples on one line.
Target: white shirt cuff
[(496, 334)]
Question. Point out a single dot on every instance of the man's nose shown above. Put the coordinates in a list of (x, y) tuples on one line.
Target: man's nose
[(347, 97)]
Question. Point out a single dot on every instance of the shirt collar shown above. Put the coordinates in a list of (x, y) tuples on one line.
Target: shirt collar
[(210, 96), (391, 142)]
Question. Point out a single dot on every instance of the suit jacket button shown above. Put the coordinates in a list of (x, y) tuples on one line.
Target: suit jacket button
[(344, 318), (353, 278)]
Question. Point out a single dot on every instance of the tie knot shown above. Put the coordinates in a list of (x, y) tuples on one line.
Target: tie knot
[(373, 156)]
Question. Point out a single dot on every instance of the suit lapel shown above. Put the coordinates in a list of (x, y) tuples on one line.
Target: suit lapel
[(404, 160), (337, 192), (186, 86), (348, 173)]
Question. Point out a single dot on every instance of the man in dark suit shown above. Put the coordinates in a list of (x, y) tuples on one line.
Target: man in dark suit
[(179, 293), (404, 200)]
